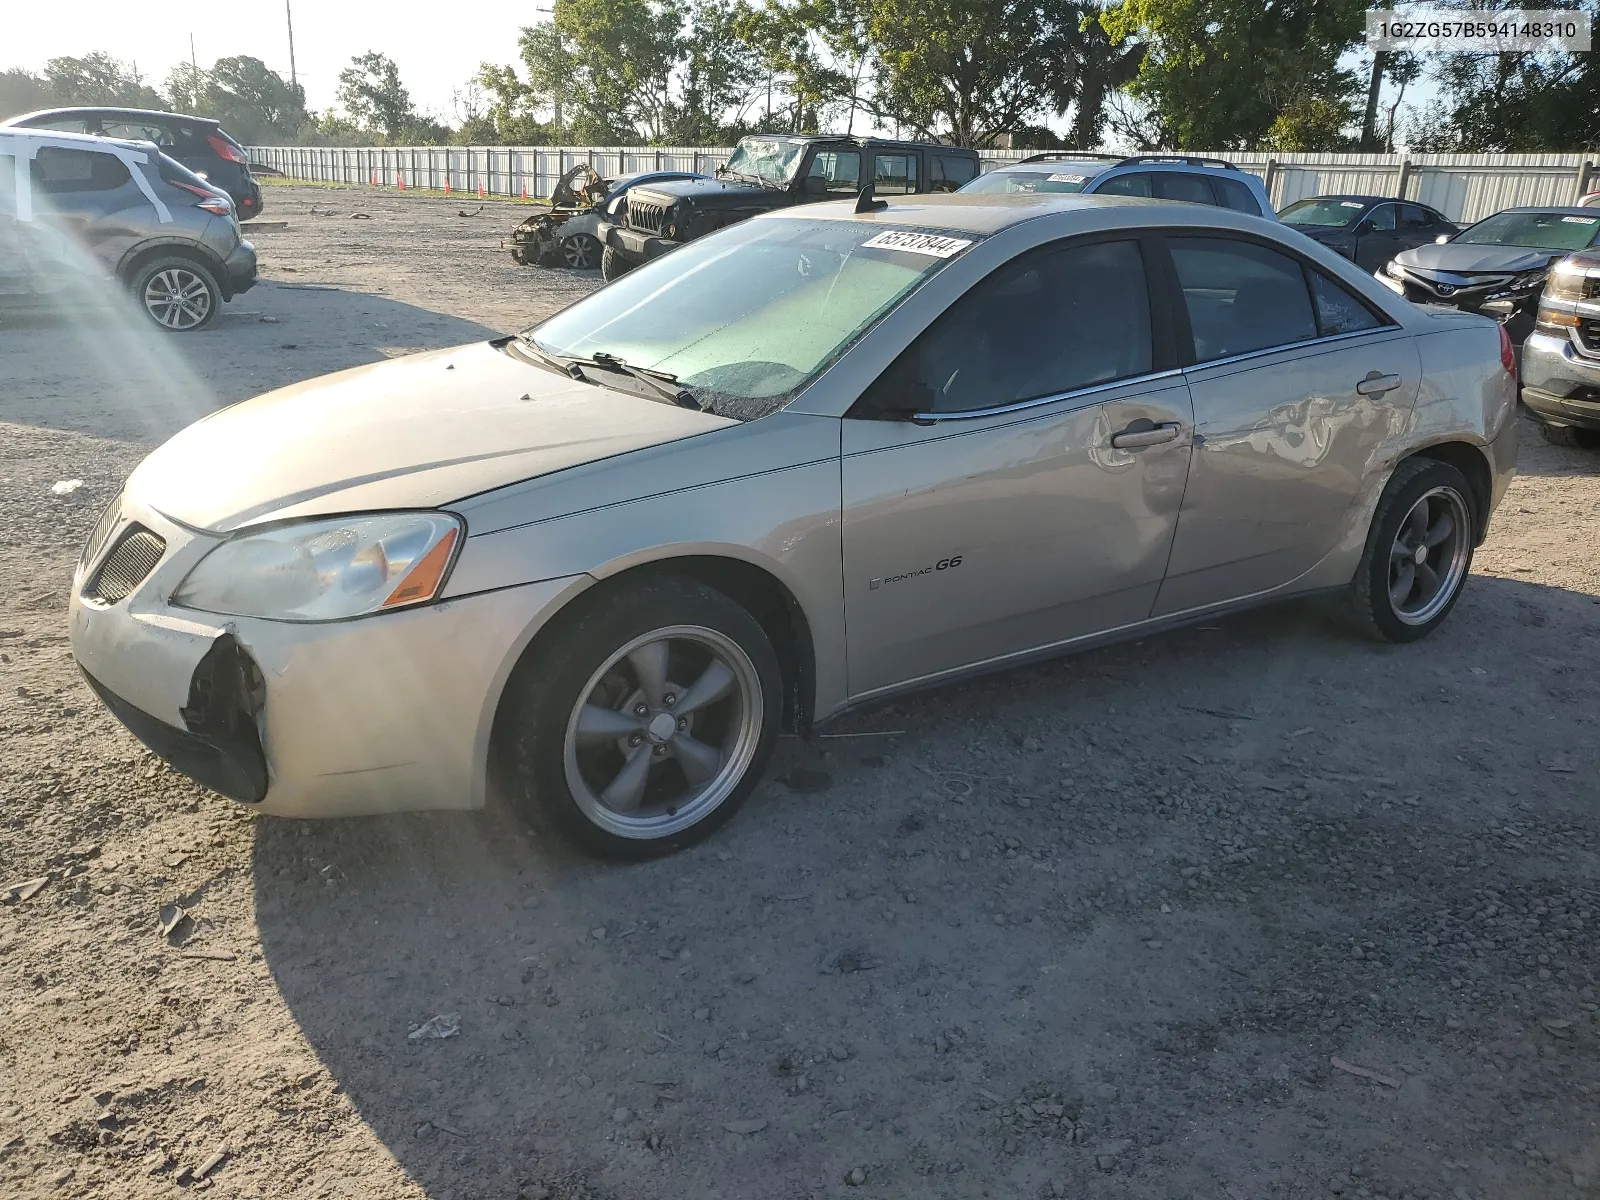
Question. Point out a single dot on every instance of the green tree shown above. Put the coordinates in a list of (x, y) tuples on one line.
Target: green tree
[(971, 69), (721, 73), (623, 55), (98, 78), (1217, 74), (371, 92), (1085, 68), (22, 91), (252, 101)]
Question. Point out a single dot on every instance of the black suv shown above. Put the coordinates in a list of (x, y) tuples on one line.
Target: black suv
[(199, 143), (776, 171)]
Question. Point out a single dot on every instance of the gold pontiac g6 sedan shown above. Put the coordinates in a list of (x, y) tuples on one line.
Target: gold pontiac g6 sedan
[(817, 458)]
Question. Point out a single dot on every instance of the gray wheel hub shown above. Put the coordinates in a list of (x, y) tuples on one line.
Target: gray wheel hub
[(1429, 557), (177, 298)]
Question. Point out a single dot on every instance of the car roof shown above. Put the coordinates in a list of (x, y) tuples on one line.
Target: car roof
[(985, 213), (89, 141), (1363, 199), (137, 114), (1042, 167), (852, 140)]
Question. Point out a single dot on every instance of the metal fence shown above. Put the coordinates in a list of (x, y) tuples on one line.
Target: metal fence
[(1464, 187)]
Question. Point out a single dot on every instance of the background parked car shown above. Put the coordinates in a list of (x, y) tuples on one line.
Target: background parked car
[(568, 231), (1561, 358), (122, 209), (1162, 176), (1497, 266), (199, 143), (1368, 230), (1589, 200), (771, 172)]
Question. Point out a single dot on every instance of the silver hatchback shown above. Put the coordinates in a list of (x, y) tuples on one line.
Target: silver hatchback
[(813, 460), (77, 210)]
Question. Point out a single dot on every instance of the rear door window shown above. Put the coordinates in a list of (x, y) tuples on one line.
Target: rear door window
[(139, 131), (1191, 189), (1235, 194), (61, 125), (1414, 216), (57, 170), (947, 172), (1382, 218), (1241, 297), (895, 174), (1136, 183)]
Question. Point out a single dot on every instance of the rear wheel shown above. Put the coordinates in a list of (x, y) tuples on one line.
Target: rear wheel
[(581, 252), (613, 265), (1568, 435), (1418, 554), (178, 294), (646, 723)]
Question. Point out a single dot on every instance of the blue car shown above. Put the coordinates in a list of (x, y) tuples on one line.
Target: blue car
[(1160, 176)]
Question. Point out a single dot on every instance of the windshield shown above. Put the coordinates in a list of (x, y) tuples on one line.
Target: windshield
[(1328, 214), (772, 161), (1542, 230), (747, 316), (1068, 177)]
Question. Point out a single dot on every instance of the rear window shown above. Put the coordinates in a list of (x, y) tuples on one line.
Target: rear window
[(1236, 195), (1191, 189)]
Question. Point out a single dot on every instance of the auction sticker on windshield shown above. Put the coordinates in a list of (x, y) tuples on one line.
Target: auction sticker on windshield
[(1570, 221), (917, 243), (1067, 178)]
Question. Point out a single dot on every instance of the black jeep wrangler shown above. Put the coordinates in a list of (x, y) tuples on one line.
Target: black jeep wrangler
[(775, 171)]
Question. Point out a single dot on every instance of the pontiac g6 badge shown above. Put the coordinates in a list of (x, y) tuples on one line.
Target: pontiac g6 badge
[(944, 564)]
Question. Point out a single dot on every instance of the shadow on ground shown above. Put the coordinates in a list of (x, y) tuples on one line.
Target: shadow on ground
[(1099, 925), (108, 371)]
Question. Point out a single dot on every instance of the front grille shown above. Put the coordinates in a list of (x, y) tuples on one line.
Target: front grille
[(1589, 335), (101, 531), (131, 560), (647, 217)]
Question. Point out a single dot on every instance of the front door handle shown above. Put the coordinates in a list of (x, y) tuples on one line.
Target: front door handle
[(1376, 385), (1141, 434)]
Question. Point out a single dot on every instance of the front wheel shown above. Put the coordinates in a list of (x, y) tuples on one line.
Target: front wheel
[(613, 265), (646, 723), (1418, 554), (178, 294)]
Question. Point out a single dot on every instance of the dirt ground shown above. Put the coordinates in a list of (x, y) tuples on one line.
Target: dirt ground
[(1252, 910)]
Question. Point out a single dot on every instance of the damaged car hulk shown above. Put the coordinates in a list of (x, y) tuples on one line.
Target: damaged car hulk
[(814, 460)]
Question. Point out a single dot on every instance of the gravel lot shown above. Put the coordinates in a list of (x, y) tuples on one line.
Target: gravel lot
[(1115, 926)]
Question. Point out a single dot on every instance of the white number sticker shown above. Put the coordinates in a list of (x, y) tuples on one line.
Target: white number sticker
[(917, 243), (1067, 178), (1580, 220), (1350, 204)]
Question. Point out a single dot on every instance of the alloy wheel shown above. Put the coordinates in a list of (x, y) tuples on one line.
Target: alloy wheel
[(579, 252), (1429, 556), (177, 298), (663, 732)]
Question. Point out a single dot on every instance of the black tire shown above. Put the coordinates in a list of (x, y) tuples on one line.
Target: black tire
[(1571, 437), (1370, 604), (613, 265), (178, 294), (580, 252), (560, 681)]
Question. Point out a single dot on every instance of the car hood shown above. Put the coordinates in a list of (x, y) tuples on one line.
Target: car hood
[(1466, 258), (703, 191), (414, 432)]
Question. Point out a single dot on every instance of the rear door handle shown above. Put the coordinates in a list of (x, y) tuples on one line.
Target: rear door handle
[(1376, 385), (1145, 434)]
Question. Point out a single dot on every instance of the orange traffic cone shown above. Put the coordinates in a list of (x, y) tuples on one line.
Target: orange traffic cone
[(480, 191), (374, 179), (447, 185), (524, 191), (401, 180)]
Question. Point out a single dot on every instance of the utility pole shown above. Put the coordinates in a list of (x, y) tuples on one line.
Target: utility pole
[(561, 83), (288, 18), (1369, 122), (194, 76)]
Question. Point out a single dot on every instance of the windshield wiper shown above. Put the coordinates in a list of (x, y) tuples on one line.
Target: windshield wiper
[(664, 385), (567, 366)]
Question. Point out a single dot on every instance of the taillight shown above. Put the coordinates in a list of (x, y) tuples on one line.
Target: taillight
[(210, 201), (227, 149), (1508, 355)]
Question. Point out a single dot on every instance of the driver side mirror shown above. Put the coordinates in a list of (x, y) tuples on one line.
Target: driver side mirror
[(814, 185), (1365, 227)]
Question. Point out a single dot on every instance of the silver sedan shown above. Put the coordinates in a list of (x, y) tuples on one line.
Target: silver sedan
[(816, 459)]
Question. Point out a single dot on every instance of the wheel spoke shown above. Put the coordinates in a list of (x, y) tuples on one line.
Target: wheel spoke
[(715, 682), (1401, 551), (624, 793), (1416, 524), (1400, 586), (699, 761), (1439, 530), (598, 724), (1428, 579), (649, 663)]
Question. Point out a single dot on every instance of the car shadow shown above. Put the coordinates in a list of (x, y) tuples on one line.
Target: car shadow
[(1537, 457), (104, 369), (943, 899)]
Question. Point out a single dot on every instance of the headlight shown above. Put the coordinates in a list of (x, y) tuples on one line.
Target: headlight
[(1529, 279), (327, 569), (1392, 270)]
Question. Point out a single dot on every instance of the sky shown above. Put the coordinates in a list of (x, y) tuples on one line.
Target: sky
[(436, 54)]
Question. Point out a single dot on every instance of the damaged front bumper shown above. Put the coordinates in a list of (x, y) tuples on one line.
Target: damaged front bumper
[(388, 713)]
